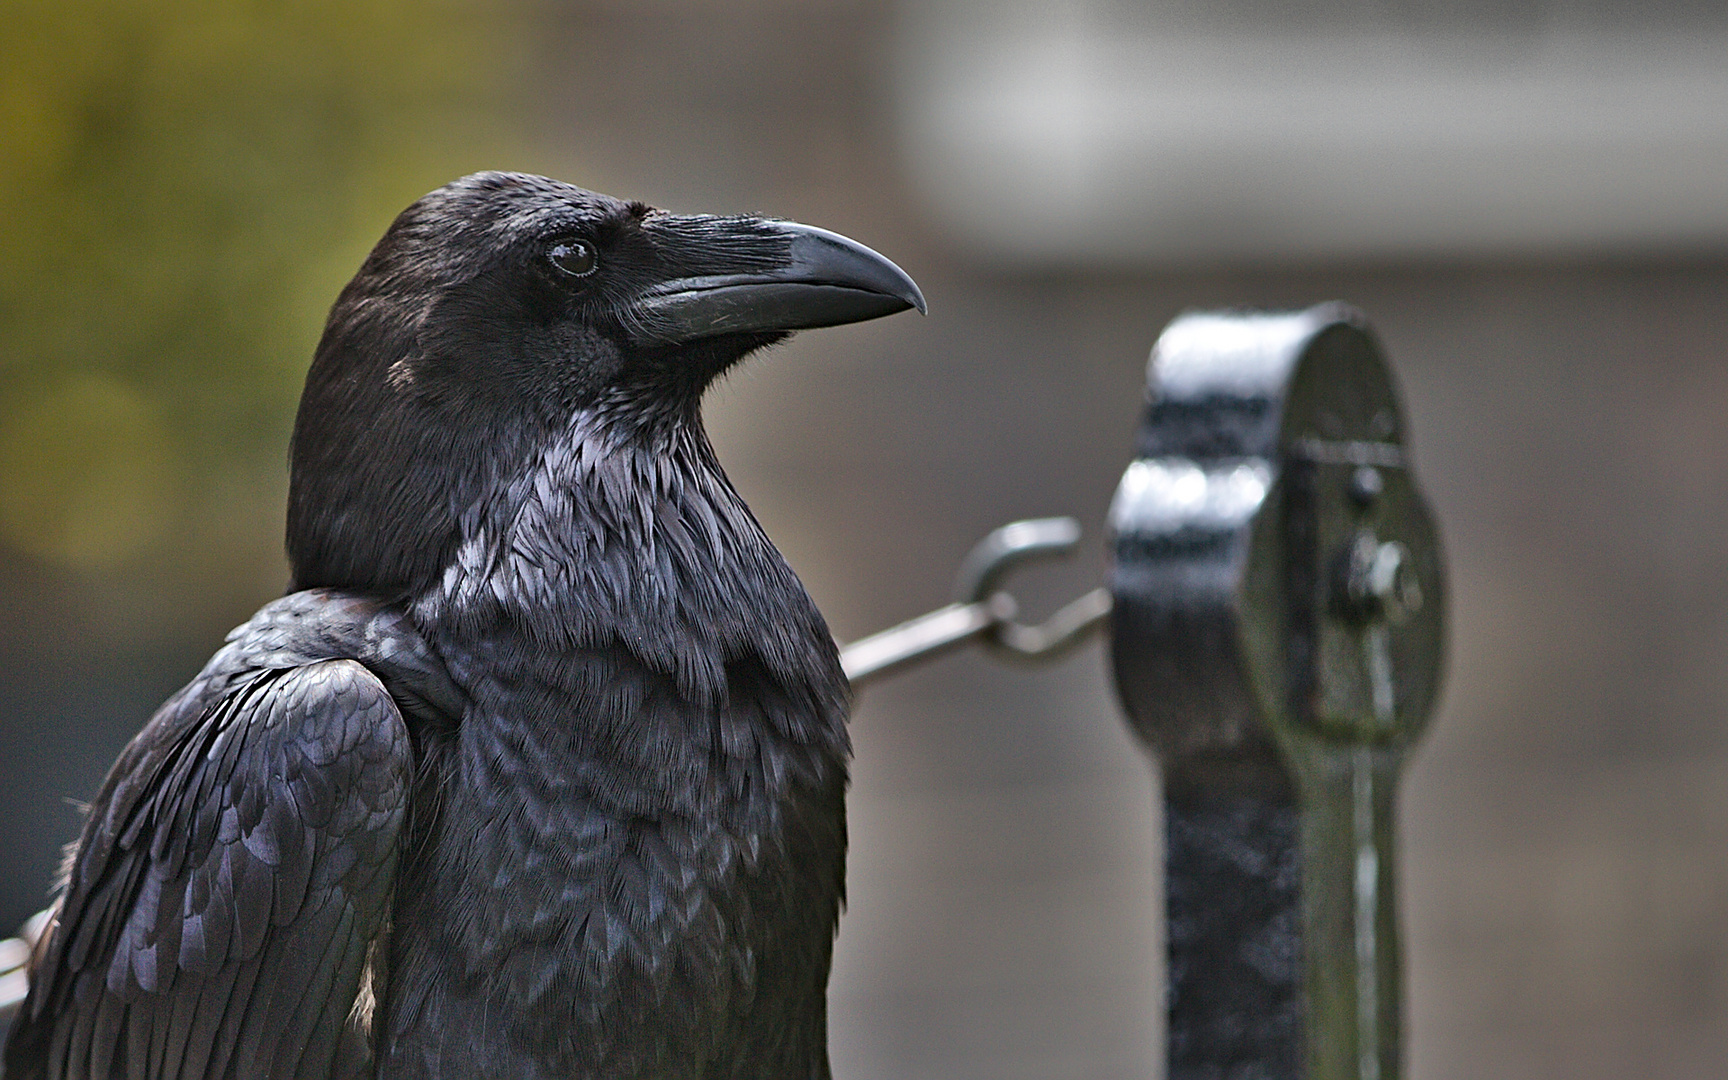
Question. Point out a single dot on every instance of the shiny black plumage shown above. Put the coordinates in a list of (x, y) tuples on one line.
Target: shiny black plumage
[(540, 770)]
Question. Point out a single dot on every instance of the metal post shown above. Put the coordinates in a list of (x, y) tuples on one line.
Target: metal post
[(1277, 638)]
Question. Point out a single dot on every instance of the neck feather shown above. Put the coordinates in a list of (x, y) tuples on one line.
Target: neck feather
[(621, 532)]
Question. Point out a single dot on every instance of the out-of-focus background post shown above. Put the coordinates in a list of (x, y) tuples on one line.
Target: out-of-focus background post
[(1529, 198)]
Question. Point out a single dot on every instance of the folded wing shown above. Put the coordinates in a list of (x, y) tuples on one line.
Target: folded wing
[(234, 875)]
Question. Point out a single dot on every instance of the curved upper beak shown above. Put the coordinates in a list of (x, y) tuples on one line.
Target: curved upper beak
[(750, 275)]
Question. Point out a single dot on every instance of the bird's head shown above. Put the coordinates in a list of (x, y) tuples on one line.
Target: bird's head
[(500, 306)]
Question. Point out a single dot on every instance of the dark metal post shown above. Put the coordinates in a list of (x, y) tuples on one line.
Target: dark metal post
[(1277, 637)]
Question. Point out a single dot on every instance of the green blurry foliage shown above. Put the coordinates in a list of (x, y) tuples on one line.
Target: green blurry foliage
[(184, 187)]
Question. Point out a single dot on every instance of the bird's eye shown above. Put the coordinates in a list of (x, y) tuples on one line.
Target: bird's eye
[(575, 257)]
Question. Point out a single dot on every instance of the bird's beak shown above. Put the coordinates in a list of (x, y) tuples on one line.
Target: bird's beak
[(749, 275)]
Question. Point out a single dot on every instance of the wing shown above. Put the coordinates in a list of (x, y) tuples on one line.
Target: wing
[(235, 871)]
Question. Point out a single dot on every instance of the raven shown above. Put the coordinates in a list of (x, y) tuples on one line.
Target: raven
[(538, 771)]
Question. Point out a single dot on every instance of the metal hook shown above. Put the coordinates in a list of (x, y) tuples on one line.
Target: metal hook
[(985, 611), (1003, 550)]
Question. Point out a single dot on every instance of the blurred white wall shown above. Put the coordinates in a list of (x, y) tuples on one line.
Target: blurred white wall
[(1176, 131)]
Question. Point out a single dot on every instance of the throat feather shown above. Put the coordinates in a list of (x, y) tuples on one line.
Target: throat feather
[(636, 538)]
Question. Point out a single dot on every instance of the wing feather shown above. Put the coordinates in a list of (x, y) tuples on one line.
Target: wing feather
[(235, 870)]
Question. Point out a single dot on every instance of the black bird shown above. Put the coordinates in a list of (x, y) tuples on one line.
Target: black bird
[(539, 770)]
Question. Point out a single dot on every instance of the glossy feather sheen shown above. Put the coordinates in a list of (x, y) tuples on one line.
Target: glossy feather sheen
[(541, 771), (651, 891), (239, 861)]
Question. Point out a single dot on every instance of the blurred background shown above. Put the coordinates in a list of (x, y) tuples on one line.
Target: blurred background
[(1529, 198)]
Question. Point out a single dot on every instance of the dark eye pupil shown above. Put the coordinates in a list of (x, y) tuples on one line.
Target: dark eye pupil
[(575, 257)]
